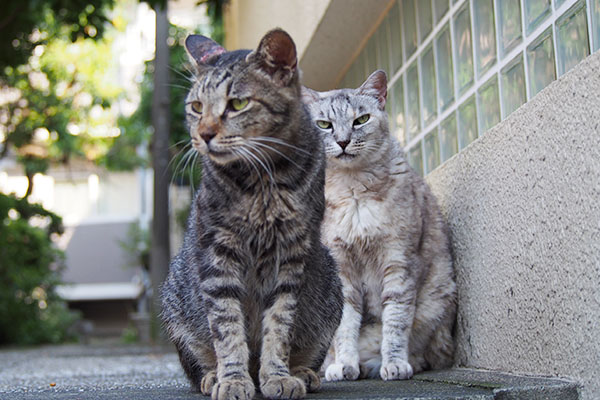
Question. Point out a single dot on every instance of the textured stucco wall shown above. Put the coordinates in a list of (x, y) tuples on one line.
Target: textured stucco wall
[(523, 204)]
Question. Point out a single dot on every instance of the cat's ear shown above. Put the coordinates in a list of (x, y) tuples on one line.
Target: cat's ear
[(202, 49), (376, 86), (276, 56), (309, 95)]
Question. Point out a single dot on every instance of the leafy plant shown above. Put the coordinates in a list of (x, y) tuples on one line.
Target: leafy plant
[(137, 246), (57, 105), (30, 310), (26, 24)]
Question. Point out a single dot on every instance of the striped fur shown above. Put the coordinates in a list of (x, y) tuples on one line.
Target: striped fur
[(253, 297), (386, 232)]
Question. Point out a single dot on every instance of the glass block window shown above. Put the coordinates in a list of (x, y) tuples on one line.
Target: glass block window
[(415, 158), (572, 34), (535, 13), (440, 8), (540, 57), (485, 35), (428, 87), (458, 67), (432, 151), (595, 11), (489, 104), (448, 138), (396, 38), (409, 25), (424, 14), (463, 48), (445, 77), (509, 25), (397, 123), (513, 86), (413, 114), (467, 123)]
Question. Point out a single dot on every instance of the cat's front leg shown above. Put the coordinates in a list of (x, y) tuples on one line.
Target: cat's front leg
[(345, 342), (398, 301), (226, 321), (278, 319)]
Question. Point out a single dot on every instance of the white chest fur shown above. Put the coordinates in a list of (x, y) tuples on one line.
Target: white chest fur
[(355, 209)]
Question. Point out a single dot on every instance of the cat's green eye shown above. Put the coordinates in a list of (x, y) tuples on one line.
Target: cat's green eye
[(239, 104), (362, 119), (197, 107), (324, 124)]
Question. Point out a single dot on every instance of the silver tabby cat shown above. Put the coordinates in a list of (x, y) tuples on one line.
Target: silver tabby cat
[(253, 298), (388, 237)]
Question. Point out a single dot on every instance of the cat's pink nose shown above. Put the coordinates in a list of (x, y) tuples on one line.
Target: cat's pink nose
[(207, 136), (343, 144)]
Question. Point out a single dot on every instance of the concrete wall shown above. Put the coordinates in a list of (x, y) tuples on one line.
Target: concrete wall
[(523, 204), (94, 254)]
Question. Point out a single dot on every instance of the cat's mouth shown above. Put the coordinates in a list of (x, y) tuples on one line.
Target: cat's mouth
[(217, 152), (220, 154), (345, 156)]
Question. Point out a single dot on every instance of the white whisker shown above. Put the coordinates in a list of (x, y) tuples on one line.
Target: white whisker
[(258, 152), (189, 143), (281, 142), (278, 152), (242, 152), (262, 164), (193, 168), (183, 159)]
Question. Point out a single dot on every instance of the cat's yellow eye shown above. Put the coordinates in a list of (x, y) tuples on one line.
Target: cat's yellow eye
[(239, 104), (362, 119), (197, 107), (324, 124)]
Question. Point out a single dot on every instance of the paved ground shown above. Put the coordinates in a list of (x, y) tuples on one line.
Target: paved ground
[(148, 373)]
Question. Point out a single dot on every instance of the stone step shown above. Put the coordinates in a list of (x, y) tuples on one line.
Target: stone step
[(467, 384), (138, 373), (454, 384)]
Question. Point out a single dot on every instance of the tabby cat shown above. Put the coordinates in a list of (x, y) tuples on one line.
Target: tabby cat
[(385, 231), (253, 297)]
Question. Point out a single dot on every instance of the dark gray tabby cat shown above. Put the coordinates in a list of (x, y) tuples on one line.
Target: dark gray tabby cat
[(253, 297), (386, 232)]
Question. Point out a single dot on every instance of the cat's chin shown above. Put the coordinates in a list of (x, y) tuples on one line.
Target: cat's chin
[(221, 157), (344, 159)]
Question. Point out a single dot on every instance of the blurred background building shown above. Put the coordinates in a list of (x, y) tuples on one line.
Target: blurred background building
[(107, 213)]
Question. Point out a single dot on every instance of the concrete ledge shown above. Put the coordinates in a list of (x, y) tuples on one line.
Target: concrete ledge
[(147, 373), (505, 386)]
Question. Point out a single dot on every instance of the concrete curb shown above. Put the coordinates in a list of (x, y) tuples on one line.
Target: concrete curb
[(151, 373)]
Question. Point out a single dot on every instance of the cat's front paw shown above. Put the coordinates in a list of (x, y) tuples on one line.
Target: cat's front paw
[(342, 372), (396, 370), (208, 382), (309, 377), (283, 387), (238, 389)]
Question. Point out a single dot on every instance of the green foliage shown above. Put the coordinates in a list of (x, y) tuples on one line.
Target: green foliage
[(214, 9), (137, 246), (25, 24), (129, 335), (56, 106), (30, 310)]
